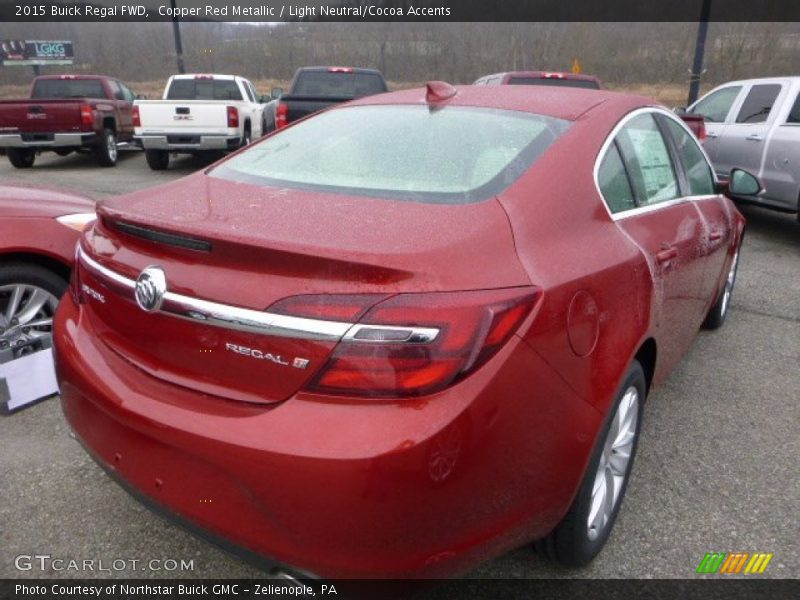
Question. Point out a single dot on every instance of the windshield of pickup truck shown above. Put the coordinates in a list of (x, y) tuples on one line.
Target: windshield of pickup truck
[(68, 88), (337, 84), (204, 89), (453, 155)]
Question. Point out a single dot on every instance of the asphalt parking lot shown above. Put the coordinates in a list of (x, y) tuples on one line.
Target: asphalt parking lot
[(716, 470)]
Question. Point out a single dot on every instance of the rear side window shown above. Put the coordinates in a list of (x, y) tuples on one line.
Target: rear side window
[(695, 165), (68, 88), (203, 89), (337, 84), (614, 183), (454, 155), (648, 161), (758, 104), (794, 114), (555, 82), (715, 106)]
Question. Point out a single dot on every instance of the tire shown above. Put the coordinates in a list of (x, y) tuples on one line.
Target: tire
[(157, 160), (247, 137), (63, 151), (106, 149), (719, 310), (32, 284), (21, 158), (577, 539), (264, 127)]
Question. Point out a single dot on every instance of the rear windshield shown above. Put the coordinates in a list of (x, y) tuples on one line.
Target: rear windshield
[(340, 85), (555, 82), (204, 89), (452, 155), (68, 88)]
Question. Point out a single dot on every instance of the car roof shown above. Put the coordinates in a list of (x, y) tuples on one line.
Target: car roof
[(786, 79), (559, 102), (349, 69)]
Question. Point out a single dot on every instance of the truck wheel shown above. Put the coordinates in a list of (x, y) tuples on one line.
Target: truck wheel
[(246, 136), (106, 149), (157, 160), (21, 158)]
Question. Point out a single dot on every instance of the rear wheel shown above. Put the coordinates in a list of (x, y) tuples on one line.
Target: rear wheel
[(718, 312), (21, 158), (246, 136), (106, 149), (157, 160), (585, 529)]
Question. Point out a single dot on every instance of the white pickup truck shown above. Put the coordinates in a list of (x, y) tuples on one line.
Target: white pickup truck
[(198, 113), (754, 124)]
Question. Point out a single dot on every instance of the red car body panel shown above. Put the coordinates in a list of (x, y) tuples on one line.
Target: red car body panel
[(28, 225), (344, 486)]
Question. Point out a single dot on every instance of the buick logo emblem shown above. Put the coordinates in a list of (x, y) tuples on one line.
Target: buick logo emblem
[(151, 286)]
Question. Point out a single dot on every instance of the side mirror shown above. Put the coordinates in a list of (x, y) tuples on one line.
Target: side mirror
[(743, 183), (276, 93)]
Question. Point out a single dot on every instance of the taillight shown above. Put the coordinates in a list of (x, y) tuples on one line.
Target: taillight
[(137, 121), (415, 344), (233, 117), (281, 115), (701, 131), (87, 115)]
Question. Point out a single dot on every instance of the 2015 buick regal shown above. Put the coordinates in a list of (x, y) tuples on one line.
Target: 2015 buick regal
[(405, 335)]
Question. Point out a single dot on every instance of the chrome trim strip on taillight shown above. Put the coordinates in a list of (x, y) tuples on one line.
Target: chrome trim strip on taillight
[(254, 321)]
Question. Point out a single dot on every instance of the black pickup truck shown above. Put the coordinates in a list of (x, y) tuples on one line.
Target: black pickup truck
[(315, 88)]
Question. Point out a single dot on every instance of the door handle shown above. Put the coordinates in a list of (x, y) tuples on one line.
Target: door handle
[(715, 235), (666, 253), (754, 137), (711, 134)]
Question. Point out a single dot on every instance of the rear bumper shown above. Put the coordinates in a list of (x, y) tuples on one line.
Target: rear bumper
[(46, 140), (188, 142), (340, 488)]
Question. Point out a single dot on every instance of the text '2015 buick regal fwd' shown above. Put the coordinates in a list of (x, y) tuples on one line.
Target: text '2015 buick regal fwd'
[(405, 335)]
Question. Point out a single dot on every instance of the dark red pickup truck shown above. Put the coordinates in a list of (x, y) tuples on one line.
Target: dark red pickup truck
[(67, 113)]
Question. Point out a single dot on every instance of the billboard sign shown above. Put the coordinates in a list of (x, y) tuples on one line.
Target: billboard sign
[(35, 52)]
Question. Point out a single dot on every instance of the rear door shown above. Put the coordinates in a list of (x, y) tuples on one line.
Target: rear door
[(642, 189), (781, 174), (716, 107), (744, 137), (698, 185)]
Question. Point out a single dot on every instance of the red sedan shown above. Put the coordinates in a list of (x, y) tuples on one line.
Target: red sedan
[(38, 232), (405, 335)]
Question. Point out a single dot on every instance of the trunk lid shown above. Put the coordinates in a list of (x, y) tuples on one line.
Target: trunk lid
[(40, 116), (189, 116), (248, 247)]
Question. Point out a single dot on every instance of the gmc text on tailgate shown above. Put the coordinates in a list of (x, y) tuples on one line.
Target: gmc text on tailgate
[(68, 113)]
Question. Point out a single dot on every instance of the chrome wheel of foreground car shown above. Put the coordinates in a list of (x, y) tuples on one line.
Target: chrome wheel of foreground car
[(718, 312), (585, 529), (28, 299), (613, 466)]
